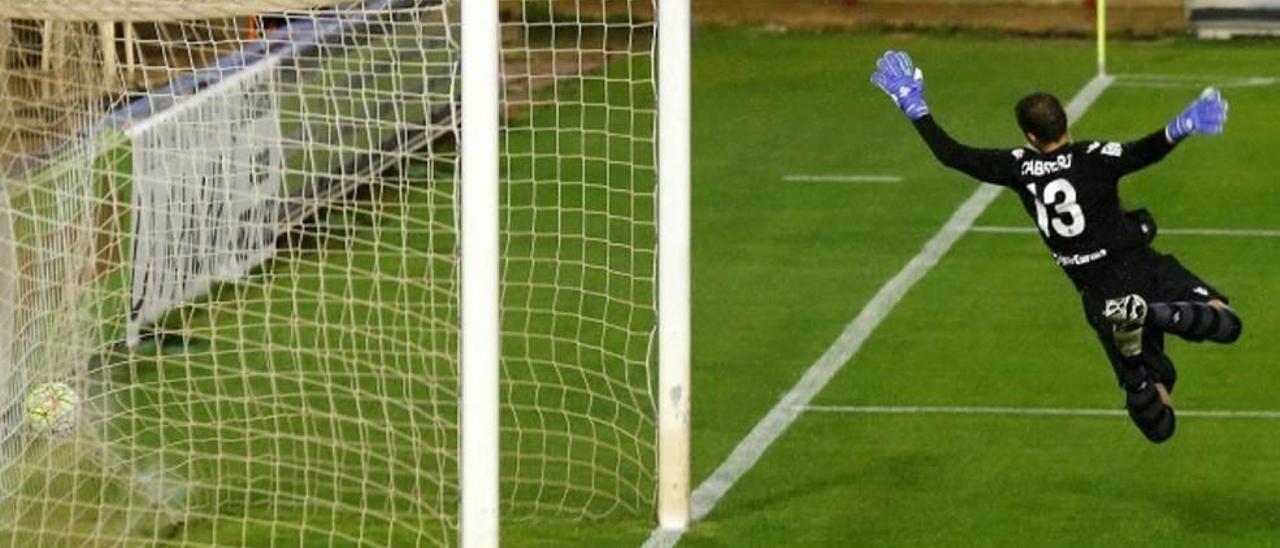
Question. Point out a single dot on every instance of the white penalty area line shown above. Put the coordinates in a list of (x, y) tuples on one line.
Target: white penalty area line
[(1239, 233), (1027, 411), (842, 178), (816, 377)]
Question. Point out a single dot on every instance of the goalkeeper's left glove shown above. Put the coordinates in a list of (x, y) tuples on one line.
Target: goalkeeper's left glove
[(1206, 116), (903, 82)]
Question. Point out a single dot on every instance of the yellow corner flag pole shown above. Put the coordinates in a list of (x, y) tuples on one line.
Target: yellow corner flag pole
[(1102, 36)]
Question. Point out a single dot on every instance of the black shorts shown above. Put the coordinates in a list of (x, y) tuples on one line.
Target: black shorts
[(1157, 278)]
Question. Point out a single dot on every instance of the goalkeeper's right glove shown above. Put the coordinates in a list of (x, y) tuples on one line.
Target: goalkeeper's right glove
[(896, 76), (1205, 116)]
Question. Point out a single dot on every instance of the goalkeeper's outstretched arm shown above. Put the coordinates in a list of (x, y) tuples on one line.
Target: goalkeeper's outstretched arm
[(897, 76), (984, 164), (1136, 155), (1207, 115)]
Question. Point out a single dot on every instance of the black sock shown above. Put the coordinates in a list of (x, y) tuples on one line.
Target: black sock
[(1153, 418), (1133, 378), (1196, 321)]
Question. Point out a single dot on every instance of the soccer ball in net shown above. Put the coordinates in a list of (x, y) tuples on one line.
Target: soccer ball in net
[(51, 408)]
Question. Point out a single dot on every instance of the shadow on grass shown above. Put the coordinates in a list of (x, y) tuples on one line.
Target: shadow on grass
[(1220, 511), (1203, 510)]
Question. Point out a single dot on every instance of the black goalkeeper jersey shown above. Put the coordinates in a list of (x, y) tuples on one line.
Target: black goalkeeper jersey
[(1071, 193)]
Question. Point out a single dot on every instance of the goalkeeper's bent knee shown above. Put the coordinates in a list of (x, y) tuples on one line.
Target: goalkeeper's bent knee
[(1197, 321), (1152, 417)]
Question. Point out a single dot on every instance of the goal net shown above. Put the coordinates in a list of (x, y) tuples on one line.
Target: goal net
[(232, 229)]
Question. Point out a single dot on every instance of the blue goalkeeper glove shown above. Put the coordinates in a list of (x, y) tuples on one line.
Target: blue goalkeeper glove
[(1205, 116), (896, 76)]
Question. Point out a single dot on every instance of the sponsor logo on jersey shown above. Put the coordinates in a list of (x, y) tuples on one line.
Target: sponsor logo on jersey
[(1041, 168), (1017, 153), (1114, 308), (1077, 260), (1112, 149)]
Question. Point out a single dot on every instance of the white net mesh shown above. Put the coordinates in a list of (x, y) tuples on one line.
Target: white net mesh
[(231, 229), (579, 257)]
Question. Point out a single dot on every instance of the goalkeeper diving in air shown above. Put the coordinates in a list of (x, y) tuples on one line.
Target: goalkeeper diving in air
[(1132, 294)]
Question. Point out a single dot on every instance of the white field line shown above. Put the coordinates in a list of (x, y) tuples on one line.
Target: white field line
[(816, 377), (1183, 77), (1027, 411), (1239, 233), (1193, 81), (842, 178), (1242, 83)]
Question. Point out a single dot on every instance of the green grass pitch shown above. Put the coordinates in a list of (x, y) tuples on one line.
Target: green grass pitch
[(781, 267)]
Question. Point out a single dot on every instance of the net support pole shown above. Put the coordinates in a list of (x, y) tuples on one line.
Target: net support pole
[(107, 41), (1101, 6), (674, 33), (478, 424), (6, 97), (130, 61)]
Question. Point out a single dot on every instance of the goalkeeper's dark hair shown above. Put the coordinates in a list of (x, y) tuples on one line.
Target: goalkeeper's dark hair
[(1041, 114)]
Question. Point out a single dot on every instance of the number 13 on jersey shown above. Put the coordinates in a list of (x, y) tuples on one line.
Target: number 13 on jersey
[(1068, 218)]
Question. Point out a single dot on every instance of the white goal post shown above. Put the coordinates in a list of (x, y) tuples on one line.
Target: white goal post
[(674, 255), (342, 272), (481, 330)]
